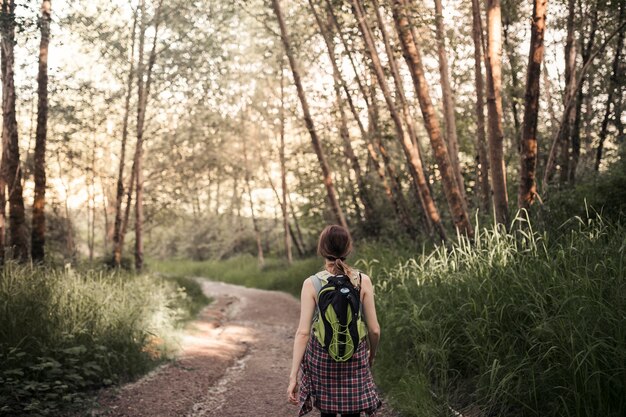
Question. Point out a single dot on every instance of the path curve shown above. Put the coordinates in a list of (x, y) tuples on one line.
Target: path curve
[(235, 362)]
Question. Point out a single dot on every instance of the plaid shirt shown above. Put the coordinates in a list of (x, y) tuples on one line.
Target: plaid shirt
[(337, 387)]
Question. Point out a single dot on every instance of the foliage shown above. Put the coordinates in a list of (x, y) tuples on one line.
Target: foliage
[(519, 324), (603, 194), (64, 333)]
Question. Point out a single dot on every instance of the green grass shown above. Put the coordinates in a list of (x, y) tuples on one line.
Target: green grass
[(520, 324), (276, 274), (244, 270), (66, 333)]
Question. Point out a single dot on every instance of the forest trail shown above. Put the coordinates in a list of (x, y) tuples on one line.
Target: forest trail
[(235, 362)]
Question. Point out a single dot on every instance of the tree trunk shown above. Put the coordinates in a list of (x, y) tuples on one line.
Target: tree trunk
[(143, 92), (38, 234), (139, 144), (394, 191), (91, 201), (343, 121), (586, 55), (255, 225), (569, 104), (570, 91), (481, 143), (217, 195), (410, 149), (494, 111), (3, 203), (283, 170), (367, 135), (105, 209), (117, 224), (296, 223), (414, 61), (514, 96), (407, 117), (326, 172), (12, 171), (549, 97), (613, 85), (448, 99), (528, 157)]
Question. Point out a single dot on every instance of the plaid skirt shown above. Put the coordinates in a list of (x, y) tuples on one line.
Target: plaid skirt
[(336, 387)]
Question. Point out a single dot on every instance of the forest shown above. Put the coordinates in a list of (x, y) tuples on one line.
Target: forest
[(475, 150)]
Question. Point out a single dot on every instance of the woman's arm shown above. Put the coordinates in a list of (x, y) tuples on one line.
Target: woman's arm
[(369, 312), (307, 308)]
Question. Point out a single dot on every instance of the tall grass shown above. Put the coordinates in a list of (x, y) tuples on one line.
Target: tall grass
[(63, 333), (518, 324)]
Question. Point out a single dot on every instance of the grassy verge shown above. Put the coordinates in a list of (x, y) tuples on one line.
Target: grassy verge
[(66, 333), (518, 324), (276, 274), (244, 270)]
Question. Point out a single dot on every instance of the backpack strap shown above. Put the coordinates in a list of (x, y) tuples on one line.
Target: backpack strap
[(317, 284), (361, 303)]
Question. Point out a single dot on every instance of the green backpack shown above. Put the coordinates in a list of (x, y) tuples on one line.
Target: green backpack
[(338, 324)]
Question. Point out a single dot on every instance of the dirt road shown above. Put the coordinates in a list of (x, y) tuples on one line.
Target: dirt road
[(235, 362)]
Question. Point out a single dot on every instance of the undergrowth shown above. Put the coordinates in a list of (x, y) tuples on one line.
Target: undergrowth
[(516, 324), (65, 333)]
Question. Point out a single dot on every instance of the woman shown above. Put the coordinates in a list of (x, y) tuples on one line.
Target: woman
[(334, 387)]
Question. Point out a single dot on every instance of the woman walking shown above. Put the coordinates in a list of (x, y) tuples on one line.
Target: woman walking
[(345, 388)]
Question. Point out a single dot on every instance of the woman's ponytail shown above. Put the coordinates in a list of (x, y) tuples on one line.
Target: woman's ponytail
[(335, 244)]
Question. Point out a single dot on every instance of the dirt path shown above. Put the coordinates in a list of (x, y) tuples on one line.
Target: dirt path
[(235, 362)]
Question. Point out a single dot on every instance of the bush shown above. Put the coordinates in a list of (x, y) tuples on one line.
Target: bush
[(517, 324), (64, 333)]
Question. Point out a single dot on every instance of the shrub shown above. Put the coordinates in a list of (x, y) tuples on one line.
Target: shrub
[(64, 333)]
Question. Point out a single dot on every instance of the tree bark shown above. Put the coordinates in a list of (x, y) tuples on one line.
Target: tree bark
[(394, 189), (300, 240), (343, 121), (570, 91), (569, 104), (448, 99), (283, 169), (528, 157), (414, 61), (494, 111), (91, 200), (38, 233), (481, 142), (613, 85), (255, 225), (407, 117), (117, 224), (12, 171), (143, 92), (586, 48), (326, 172), (410, 149), (515, 90), (367, 135)]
